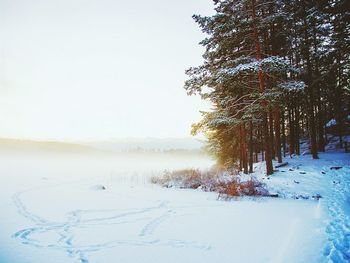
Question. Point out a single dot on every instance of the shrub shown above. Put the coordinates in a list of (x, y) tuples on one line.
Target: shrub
[(188, 178), (226, 183)]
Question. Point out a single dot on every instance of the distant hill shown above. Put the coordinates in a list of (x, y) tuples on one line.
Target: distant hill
[(147, 144), (48, 146), (168, 145)]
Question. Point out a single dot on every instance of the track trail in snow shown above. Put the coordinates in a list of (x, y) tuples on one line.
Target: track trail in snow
[(332, 177), (326, 180), (149, 218), (337, 249)]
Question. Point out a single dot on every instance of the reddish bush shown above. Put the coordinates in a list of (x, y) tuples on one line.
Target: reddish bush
[(227, 184)]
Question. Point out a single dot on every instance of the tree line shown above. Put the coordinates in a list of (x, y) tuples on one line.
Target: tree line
[(275, 72)]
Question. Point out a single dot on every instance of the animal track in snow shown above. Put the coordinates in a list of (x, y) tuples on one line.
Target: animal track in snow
[(63, 238)]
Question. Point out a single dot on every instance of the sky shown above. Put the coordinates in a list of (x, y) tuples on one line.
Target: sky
[(98, 69)]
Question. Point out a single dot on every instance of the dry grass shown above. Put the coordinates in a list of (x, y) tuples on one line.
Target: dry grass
[(226, 183), (187, 178)]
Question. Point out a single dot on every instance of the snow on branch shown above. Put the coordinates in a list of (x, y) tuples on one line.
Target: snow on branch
[(293, 85), (272, 64)]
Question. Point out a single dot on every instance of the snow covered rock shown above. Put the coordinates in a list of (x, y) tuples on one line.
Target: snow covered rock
[(98, 187)]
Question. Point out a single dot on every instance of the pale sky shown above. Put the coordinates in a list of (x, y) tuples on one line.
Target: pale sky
[(98, 69)]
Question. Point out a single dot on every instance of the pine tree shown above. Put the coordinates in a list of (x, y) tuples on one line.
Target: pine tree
[(275, 72), (243, 82)]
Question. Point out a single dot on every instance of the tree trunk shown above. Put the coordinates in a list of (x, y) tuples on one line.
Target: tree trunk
[(250, 147), (320, 130), (310, 91), (278, 135), (297, 130), (291, 132), (283, 135), (269, 167), (244, 149), (262, 145), (240, 148), (272, 144), (338, 105)]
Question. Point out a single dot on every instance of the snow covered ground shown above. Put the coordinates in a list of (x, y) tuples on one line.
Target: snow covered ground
[(54, 208), (328, 180)]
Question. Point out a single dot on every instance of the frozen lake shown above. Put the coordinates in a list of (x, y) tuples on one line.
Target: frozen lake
[(53, 210)]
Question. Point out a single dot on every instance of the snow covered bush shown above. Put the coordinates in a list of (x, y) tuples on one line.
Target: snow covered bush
[(226, 183), (186, 178)]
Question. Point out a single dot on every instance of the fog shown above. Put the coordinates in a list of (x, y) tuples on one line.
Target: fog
[(135, 167)]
